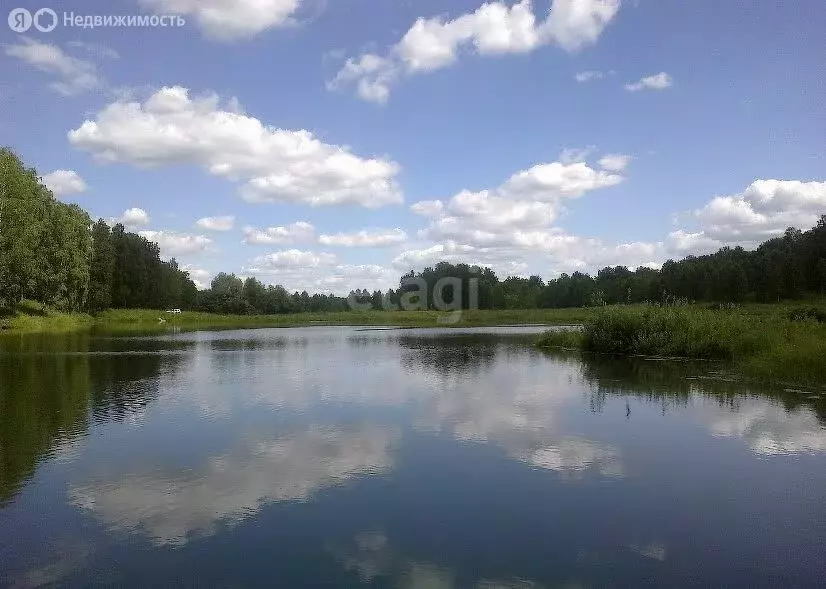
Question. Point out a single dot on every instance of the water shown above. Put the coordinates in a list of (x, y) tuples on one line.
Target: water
[(404, 458)]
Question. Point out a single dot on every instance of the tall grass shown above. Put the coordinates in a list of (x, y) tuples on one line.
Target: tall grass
[(30, 316), (763, 343)]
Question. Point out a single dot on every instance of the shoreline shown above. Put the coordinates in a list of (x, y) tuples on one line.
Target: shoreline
[(128, 320)]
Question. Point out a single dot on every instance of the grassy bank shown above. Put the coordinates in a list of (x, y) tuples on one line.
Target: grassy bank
[(148, 319), (34, 317), (31, 318), (774, 342)]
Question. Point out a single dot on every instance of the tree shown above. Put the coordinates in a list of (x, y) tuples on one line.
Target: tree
[(23, 203), (103, 268)]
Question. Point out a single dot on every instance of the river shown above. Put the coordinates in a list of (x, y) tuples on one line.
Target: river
[(397, 458)]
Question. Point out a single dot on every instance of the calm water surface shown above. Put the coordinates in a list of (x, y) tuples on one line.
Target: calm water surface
[(403, 458)]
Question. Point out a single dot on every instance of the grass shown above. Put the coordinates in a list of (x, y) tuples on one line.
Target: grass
[(149, 319), (34, 317), (780, 343), (31, 317)]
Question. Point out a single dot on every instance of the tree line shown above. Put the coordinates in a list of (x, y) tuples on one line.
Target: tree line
[(52, 253), (789, 267)]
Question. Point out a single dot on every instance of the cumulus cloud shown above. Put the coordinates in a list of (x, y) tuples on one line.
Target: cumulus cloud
[(228, 20), (277, 165), (659, 81), (511, 228), (344, 278), (298, 232), (298, 270), (74, 76), (548, 253), (765, 209), (428, 208), (516, 212), (372, 76), (174, 244), (365, 238), (132, 218), (574, 24), (500, 260), (495, 28), (64, 182), (222, 223), (276, 262), (684, 243)]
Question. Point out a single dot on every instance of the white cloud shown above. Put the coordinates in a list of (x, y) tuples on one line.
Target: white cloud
[(174, 244), (371, 74), (132, 218), (298, 232), (278, 165), (344, 278), (587, 76), (365, 238), (231, 19), (199, 276), (552, 181), (298, 270), (614, 162), (499, 259), (511, 228), (75, 75), (574, 24), (493, 29), (223, 223), (63, 182), (279, 261), (659, 81), (519, 211), (762, 211), (428, 208)]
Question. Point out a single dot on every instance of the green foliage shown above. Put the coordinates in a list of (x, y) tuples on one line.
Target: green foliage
[(44, 244), (33, 316), (142, 279), (103, 268), (562, 338), (761, 342), (49, 254)]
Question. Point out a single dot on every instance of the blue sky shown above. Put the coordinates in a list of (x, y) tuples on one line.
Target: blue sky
[(541, 138)]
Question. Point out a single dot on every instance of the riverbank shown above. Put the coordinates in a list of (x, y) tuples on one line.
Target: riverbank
[(778, 343), (29, 320), (31, 317)]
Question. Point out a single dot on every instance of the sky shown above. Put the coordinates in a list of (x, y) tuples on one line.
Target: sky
[(332, 145)]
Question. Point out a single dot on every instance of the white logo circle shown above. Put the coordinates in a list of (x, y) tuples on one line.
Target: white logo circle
[(20, 20), (52, 23)]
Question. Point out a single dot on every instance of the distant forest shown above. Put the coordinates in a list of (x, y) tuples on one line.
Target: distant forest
[(52, 253)]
